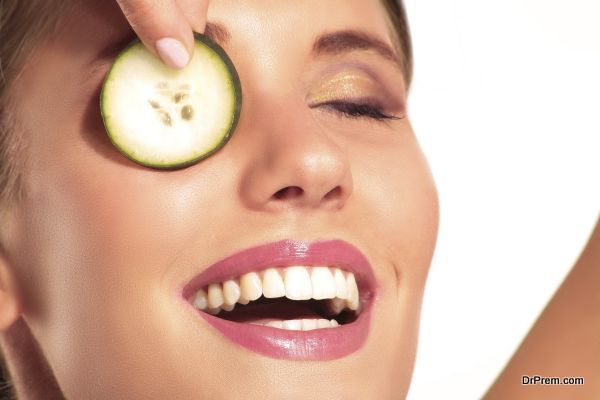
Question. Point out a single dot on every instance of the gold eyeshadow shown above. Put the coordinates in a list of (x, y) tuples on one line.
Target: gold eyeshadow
[(344, 85)]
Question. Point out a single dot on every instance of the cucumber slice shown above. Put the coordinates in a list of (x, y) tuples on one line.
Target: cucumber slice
[(165, 118)]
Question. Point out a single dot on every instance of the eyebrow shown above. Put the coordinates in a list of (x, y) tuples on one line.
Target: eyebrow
[(218, 33), (331, 43), (351, 40)]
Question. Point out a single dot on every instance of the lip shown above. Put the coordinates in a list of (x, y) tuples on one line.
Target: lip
[(319, 344)]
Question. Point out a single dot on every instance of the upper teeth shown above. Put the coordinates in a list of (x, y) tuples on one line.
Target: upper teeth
[(295, 283)]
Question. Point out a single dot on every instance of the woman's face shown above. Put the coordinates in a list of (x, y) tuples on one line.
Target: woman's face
[(102, 247)]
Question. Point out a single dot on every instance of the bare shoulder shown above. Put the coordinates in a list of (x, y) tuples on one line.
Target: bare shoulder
[(564, 343)]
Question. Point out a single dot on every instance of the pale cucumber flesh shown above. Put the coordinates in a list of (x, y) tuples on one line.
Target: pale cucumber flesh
[(166, 118)]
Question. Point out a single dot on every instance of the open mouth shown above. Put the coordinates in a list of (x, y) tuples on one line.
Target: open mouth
[(289, 299), (292, 298)]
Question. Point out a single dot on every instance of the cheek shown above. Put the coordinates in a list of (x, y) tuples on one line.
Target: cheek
[(400, 217), (101, 224), (401, 210), (98, 239)]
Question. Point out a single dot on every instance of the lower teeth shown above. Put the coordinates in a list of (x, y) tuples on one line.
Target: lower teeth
[(300, 324)]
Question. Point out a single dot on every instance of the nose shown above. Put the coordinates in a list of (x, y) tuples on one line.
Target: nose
[(295, 164)]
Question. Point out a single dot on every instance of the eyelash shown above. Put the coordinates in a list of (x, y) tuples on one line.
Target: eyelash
[(359, 110)]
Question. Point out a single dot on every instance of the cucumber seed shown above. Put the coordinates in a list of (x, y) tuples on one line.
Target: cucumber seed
[(178, 97), (165, 117), (187, 112)]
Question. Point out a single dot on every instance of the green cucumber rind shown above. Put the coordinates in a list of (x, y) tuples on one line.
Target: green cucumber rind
[(237, 108)]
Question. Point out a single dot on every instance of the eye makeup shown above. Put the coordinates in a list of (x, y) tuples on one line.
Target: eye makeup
[(345, 85), (353, 92)]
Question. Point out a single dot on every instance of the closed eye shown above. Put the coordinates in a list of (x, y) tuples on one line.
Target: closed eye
[(358, 110)]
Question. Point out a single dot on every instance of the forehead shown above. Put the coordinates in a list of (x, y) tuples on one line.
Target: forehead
[(95, 31), (269, 16), (247, 20)]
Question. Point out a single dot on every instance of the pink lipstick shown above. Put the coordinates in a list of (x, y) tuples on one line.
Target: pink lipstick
[(316, 344)]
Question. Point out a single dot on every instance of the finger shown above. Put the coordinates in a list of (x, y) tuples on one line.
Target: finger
[(195, 12), (162, 27)]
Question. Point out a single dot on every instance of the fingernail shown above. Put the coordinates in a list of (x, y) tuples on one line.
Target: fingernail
[(172, 52)]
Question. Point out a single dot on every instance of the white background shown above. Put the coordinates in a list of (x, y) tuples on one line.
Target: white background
[(506, 104)]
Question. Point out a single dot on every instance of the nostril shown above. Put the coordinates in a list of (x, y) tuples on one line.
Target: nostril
[(334, 193), (288, 192)]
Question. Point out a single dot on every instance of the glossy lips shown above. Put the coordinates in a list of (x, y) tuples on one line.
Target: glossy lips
[(322, 344)]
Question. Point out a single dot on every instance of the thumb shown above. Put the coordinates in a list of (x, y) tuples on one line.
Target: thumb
[(163, 28)]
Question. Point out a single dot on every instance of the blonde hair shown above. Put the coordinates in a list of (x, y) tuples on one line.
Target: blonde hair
[(22, 24)]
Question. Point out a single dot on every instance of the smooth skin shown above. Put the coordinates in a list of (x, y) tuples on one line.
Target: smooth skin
[(97, 249)]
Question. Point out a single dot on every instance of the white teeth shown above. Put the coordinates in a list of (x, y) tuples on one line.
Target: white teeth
[(231, 292), (272, 284), (340, 283), (323, 284), (215, 295), (336, 306), (251, 286), (213, 311), (352, 300), (293, 325), (297, 283), (323, 323), (228, 307), (200, 300), (300, 324), (309, 324), (275, 324), (338, 288)]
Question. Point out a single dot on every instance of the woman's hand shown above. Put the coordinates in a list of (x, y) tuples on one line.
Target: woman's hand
[(166, 26)]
